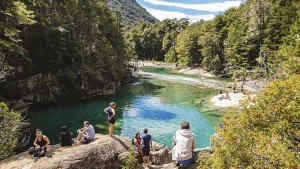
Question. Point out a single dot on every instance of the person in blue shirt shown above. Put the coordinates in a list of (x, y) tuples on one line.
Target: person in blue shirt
[(146, 146), (111, 115)]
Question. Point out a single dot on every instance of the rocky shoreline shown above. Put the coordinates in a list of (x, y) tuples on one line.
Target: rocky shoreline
[(103, 153)]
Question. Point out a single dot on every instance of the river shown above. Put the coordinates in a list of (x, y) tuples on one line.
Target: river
[(159, 104)]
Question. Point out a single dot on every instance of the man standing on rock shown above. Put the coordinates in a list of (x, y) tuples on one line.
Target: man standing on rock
[(146, 146), (184, 142)]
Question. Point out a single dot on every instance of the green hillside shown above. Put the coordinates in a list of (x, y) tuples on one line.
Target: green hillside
[(130, 12)]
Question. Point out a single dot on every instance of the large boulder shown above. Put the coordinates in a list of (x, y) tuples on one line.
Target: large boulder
[(103, 153), (161, 154)]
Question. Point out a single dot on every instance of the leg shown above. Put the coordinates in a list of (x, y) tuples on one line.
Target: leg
[(148, 161), (80, 136), (111, 129)]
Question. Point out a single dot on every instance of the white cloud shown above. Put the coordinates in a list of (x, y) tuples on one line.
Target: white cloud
[(209, 7), (161, 15)]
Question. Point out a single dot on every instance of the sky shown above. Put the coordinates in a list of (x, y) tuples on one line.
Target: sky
[(194, 10)]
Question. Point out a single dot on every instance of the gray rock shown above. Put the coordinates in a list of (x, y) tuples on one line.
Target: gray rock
[(103, 153)]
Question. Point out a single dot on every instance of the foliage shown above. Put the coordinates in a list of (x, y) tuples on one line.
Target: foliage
[(155, 41), (251, 39), (9, 121), (130, 13), (14, 16), (264, 134), (290, 50), (130, 161), (73, 41)]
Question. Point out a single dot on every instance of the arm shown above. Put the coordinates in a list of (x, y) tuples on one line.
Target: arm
[(81, 130), (47, 140), (194, 144), (114, 113), (34, 143), (174, 140), (151, 144), (105, 111), (142, 143)]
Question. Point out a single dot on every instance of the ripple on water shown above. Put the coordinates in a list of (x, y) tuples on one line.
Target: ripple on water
[(162, 120)]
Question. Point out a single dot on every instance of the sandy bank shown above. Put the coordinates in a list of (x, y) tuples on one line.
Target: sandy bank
[(234, 101), (188, 70)]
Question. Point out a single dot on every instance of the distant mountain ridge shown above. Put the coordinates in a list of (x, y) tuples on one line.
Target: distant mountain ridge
[(130, 12)]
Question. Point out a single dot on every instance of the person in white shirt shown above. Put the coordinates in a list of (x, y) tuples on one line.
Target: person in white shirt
[(86, 134), (184, 142)]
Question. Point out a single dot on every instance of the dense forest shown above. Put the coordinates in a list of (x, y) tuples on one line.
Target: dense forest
[(56, 51), (68, 49), (130, 13), (253, 39)]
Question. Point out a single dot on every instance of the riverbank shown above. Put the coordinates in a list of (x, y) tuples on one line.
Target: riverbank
[(234, 99), (252, 86), (186, 70)]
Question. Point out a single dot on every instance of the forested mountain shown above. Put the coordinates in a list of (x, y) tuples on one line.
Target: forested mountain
[(130, 13), (257, 38), (68, 49)]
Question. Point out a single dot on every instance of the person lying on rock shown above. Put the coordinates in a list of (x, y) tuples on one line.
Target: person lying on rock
[(40, 143), (86, 134), (66, 137), (184, 142)]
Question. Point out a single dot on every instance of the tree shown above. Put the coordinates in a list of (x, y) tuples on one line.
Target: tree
[(289, 51), (9, 122), (264, 134), (14, 15)]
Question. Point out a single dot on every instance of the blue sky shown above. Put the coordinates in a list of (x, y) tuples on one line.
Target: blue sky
[(192, 9)]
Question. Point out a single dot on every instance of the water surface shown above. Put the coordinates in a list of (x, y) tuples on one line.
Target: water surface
[(156, 104)]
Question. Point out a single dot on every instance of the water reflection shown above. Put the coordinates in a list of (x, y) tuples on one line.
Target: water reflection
[(155, 104)]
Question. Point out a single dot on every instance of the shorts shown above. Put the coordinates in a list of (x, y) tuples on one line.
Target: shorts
[(186, 163), (85, 140), (146, 152), (112, 121)]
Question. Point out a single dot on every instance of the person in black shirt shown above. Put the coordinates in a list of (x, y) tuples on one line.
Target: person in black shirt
[(65, 137)]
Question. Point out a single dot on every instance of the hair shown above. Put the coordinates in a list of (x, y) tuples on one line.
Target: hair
[(137, 134), (38, 132), (185, 125), (145, 131), (86, 122), (64, 129), (112, 104)]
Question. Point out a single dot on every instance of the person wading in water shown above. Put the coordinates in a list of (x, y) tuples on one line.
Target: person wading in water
[(110, 111)]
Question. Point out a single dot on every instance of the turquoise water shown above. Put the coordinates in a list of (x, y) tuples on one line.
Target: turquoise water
[(158, 105)]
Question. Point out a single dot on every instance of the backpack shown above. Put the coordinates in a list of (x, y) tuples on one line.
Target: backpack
[(36, 151), (132, 141)]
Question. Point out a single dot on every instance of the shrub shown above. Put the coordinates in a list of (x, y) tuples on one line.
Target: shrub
[(9, 121), (130, 161), (263, 135)]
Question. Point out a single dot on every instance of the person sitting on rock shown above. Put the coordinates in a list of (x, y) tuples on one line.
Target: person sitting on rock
[(184, 142), (146, 146), (86, 134), (65, 137), (41, 140), (40, 143), (225, 96)]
